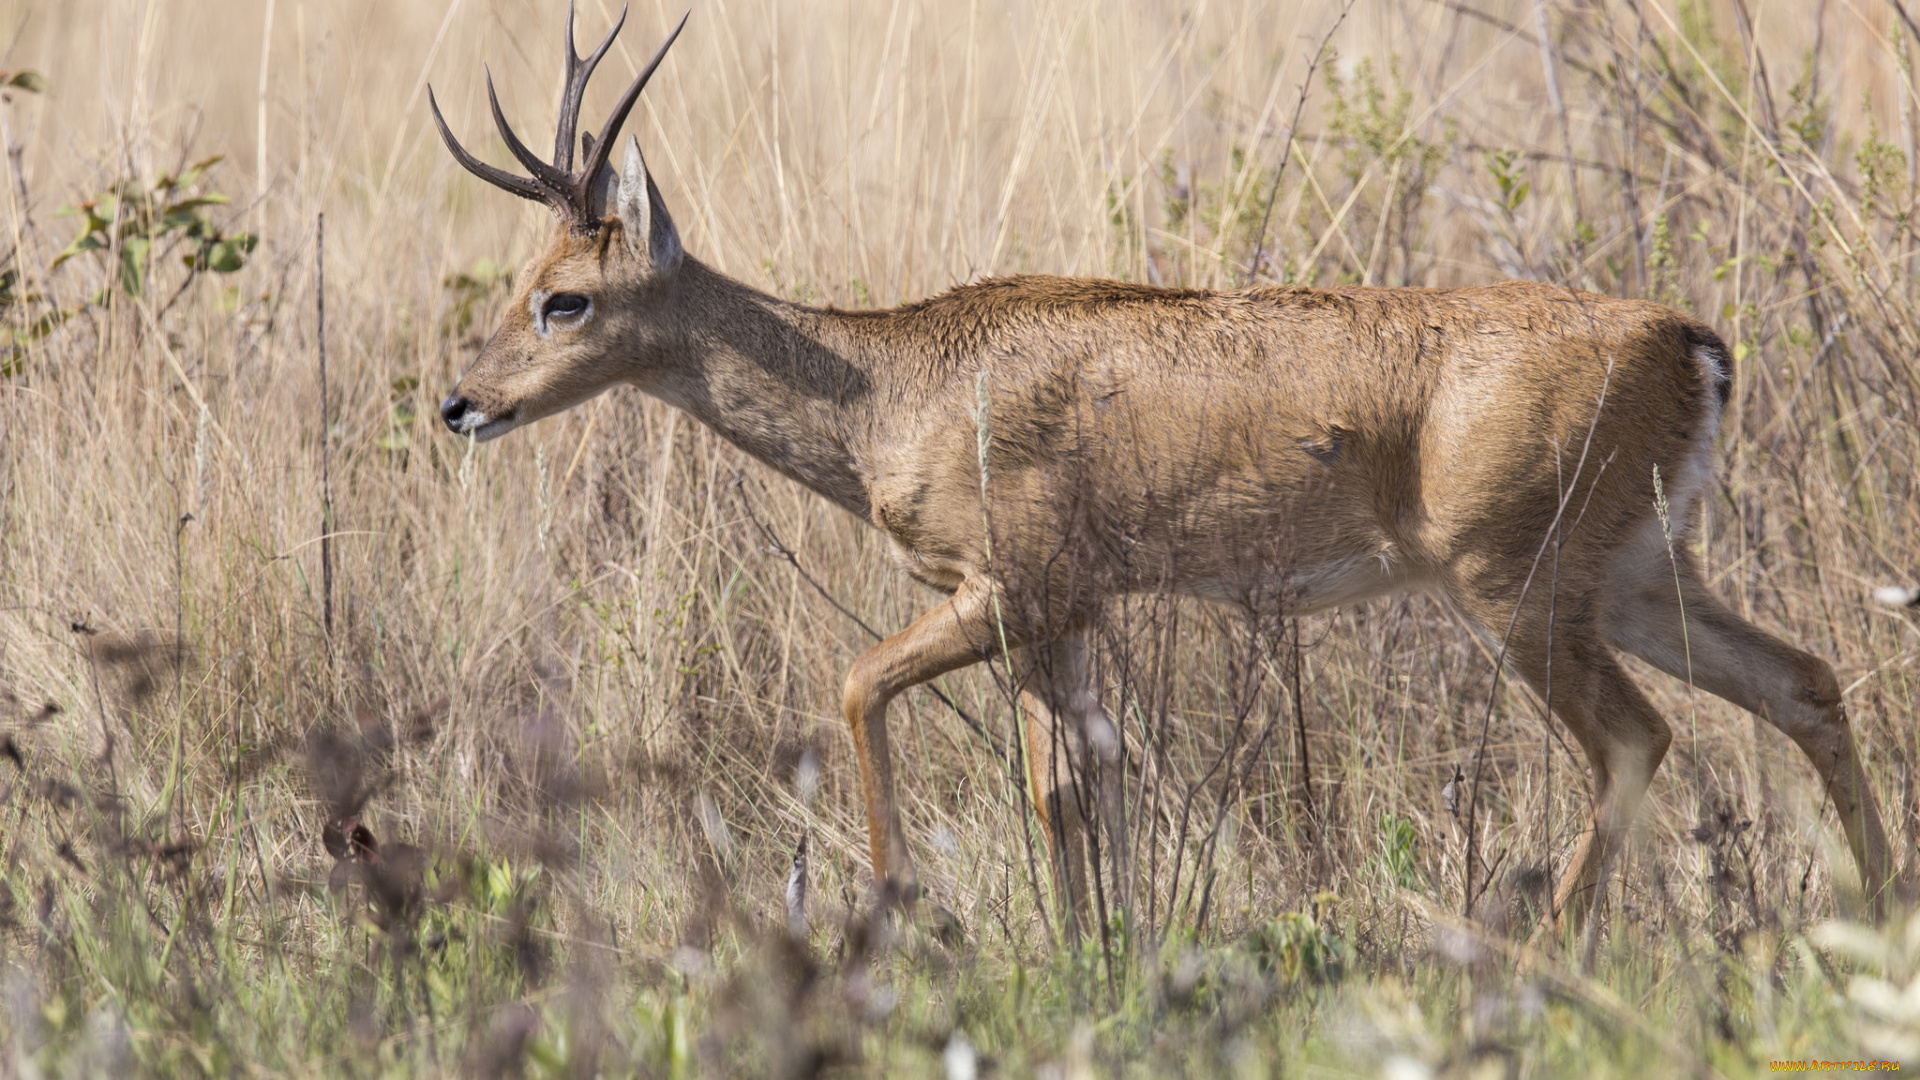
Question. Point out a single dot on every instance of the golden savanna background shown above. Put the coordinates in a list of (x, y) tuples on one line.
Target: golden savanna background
[(337, 746)]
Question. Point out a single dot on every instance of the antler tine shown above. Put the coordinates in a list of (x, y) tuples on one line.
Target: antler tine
[(499, 178), (603, 145), (562, 128), (556, 183), (573, 92), (569, 193)]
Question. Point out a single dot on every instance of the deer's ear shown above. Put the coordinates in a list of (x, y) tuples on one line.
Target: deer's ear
[(649, 230)]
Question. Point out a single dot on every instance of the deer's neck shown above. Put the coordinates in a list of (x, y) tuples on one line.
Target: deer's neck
[(787, 384)]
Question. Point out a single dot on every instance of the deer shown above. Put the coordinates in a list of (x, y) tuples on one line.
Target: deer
[(1034, 447)]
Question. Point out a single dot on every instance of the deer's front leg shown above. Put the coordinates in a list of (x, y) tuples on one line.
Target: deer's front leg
[(953, 635)]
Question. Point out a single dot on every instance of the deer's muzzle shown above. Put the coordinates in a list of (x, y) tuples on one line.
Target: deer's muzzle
[(463, 419)]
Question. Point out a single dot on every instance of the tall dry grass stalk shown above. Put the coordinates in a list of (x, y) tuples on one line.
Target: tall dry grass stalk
[(632, 674)]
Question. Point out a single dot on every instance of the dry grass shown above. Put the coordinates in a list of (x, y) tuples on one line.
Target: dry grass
[(570, 687)]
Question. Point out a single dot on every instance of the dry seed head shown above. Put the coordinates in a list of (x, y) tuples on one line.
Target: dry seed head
[(1897, 596)]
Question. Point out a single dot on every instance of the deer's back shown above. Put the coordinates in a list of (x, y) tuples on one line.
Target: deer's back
[(1182, 438)]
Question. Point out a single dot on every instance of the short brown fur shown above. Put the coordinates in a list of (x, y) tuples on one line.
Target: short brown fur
[(1305, 448)]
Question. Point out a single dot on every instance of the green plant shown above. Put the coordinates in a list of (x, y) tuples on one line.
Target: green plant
[(1509, 174), (1298, 947), (29, 317), (1663, 267), (30, 81), (1375, 123), (1389, 158), (1399, 857), (138, 228), (23, 326)]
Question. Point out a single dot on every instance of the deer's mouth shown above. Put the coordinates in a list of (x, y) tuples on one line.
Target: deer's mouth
[(463, 418), (493, 429)]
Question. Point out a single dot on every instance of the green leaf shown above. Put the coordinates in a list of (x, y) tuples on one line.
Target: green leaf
[(14, 344), (170, 222), (194, 170), (31, 81), (224, 257), (227, 254), (47, 324), (130, 218), (181, 206), (88, 241), (133, 264)]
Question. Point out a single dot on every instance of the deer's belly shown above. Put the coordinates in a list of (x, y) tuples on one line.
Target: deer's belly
[(1317, 585)]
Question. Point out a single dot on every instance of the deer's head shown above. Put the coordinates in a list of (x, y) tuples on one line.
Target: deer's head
[(587, 309)]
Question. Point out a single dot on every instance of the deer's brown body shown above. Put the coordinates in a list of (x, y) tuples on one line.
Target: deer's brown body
[(1034, 446)]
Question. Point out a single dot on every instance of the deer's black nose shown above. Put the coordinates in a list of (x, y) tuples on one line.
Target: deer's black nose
[(453, 411)]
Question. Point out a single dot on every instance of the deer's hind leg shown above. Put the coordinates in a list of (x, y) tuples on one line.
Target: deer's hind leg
[(1684, 630), (1074, 774), (1623, 736)]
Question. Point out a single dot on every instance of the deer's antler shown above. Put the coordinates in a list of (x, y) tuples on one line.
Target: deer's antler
[(556, 184)]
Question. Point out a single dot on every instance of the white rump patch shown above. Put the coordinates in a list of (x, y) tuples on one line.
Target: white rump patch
[(1715, 364)]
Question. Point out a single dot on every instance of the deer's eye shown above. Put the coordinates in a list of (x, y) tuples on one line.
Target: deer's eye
[(565, 305)]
